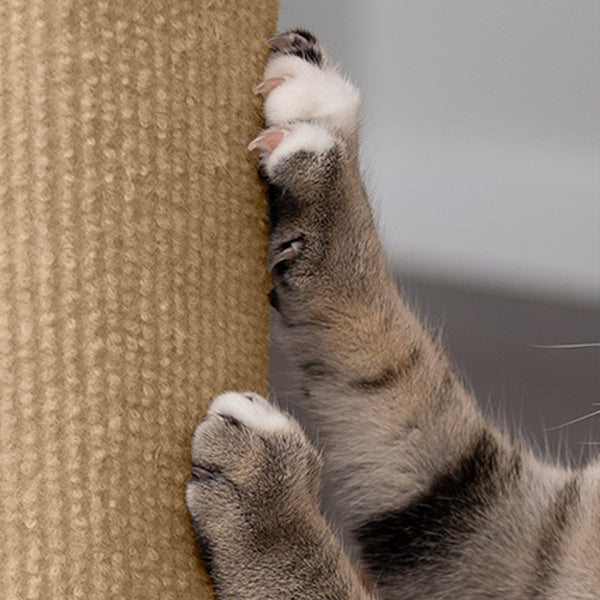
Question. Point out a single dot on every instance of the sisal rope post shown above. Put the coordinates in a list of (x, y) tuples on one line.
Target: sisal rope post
[(133, 236)]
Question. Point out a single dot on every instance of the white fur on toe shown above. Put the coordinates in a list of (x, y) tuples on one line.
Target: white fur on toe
[(306, 137), (251, 410), (308, 92)]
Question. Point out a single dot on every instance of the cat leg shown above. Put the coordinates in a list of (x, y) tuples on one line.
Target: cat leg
[(419, 479), (380, 391), (253, 503)]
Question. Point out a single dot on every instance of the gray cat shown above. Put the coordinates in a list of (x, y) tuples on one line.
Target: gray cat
[(436, 502)]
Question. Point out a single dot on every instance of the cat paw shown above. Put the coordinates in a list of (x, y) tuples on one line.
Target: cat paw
[(251, 465), (300, 83), (308, 156)]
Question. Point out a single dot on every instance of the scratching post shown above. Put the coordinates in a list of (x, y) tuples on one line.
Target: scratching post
[(133, 236)]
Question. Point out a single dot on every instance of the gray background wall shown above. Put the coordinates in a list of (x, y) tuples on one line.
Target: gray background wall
[(480, 129), (480, 147)]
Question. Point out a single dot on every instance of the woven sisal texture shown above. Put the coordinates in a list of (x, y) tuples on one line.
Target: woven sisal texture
[(132, 286)]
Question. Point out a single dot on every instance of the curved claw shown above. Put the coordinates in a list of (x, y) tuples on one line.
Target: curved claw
[(268, 139), (290, 253), (267, 85)]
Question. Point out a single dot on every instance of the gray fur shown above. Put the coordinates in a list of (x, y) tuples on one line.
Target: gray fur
[(434, 500)]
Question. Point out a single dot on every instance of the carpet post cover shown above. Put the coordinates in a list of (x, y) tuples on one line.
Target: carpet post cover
[(133, 236)]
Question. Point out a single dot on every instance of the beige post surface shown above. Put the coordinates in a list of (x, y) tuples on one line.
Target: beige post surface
[(133, 236)]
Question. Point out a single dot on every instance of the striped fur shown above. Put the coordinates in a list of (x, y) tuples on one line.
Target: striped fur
[(431, 500)]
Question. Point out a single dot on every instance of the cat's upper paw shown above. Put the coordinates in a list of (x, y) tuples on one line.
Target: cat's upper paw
[(308, 159)]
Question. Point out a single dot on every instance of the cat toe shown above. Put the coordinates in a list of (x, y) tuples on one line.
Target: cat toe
[(301, 43), (249, 410), (278, 144), (301, 84)]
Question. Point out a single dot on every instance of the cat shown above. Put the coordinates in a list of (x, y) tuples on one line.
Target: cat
[(435, 500)]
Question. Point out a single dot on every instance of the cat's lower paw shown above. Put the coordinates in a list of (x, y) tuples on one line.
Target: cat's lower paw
[(251, 465), (301, 84)]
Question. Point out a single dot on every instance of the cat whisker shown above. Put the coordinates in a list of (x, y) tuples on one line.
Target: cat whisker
[(573, 421), (567, 346)]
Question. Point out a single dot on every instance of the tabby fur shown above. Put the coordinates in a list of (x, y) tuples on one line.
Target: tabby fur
[(431, 499)]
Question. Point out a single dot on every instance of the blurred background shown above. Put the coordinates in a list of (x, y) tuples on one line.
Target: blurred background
[(480, 149)]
